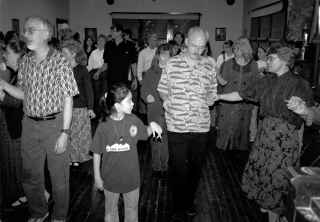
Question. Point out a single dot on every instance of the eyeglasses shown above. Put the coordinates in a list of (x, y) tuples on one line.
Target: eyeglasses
[(31, 30), (201, 47)]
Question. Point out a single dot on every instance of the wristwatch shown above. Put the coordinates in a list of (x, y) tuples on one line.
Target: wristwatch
[(66, 131)]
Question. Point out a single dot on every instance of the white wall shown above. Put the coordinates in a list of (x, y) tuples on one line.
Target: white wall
[(215, 13), (20, 9)]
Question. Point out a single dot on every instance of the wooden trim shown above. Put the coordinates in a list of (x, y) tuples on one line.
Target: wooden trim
[(266, 6)]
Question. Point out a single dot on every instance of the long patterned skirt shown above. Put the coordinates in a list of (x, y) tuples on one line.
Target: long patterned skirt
[(266, 178), (80, 138)]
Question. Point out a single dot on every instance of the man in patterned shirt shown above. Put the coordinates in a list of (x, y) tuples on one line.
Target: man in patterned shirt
[(46, 85), (188, 87)]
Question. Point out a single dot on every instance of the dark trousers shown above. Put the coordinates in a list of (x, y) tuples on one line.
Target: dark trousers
[(37, 143), (186, 156)]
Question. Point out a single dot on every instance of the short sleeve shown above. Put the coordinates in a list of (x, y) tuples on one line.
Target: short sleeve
[(142, 129), (68, 83), (304, 91), (20, 79), (97, 145)]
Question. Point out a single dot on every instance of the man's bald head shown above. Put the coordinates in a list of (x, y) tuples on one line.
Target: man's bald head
[(198, 32), (196, 42)]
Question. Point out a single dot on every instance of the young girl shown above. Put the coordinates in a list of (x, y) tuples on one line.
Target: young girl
[(116, 139)]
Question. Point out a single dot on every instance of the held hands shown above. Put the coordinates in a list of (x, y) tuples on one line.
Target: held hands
[(150, 99), (155, 129), (91, 114), (98, 183), (297, 105), (96, 75), (61, 144)]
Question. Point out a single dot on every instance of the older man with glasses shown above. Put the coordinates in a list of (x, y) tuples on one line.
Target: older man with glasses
[(46, 85)]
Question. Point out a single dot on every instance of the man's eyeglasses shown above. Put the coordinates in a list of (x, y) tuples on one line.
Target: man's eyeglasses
[(201, 47)]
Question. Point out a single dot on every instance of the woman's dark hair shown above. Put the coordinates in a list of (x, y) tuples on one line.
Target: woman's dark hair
[(182, 36), (160, 49), (229, 43), (10, 36), (18, 47), (115, 95)]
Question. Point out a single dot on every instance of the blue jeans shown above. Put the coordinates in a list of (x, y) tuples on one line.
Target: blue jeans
[(131, 204)]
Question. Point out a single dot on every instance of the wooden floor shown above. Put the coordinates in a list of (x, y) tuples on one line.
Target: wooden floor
[(219, 197)]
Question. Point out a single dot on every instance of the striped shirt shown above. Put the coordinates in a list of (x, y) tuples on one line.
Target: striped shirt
[(187, 92)]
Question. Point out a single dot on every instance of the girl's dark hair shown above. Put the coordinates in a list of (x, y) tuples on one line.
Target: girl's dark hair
[(116, 94)]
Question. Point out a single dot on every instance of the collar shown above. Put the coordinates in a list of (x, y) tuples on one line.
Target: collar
[(49, 54)]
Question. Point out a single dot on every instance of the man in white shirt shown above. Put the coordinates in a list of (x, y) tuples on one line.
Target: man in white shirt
[(226, 54), (146, 55), (97, 69)]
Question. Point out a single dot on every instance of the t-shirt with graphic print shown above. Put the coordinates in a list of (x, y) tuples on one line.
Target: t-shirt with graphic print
[(117, 142)]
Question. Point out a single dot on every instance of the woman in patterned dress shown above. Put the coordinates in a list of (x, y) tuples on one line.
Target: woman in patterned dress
[(80, 137), (233, 118), (278, 141)]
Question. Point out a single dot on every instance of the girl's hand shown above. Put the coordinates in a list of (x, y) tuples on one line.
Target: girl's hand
[(91, 114), (98, 183), (297, 105), (155, 129)]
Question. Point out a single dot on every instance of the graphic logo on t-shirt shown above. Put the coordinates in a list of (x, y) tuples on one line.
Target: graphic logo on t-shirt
[(133, 130), (117, 147)]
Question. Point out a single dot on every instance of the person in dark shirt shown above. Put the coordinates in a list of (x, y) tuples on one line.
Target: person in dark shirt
[(118, 56), (155, 111), (80, 137), (278, 140)]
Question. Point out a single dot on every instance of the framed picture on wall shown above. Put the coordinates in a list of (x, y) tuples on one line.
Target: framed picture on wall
[(90, 33), (15, 25), (220, 34), (61, 25)]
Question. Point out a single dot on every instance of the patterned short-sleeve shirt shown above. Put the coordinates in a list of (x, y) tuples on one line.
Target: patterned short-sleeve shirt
[(46, 84), (188, 91)]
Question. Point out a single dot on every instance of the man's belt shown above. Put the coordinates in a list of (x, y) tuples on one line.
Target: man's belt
[(43, 118)]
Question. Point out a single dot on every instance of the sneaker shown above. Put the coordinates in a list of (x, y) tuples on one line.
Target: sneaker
[(41, 219), (20, 202), (191, 212)]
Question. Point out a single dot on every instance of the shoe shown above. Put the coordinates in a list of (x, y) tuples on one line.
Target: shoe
[(191, 212), (18, 203), (178, 217), (41, 219), (55, 220), (46, 195), (75, 164)]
